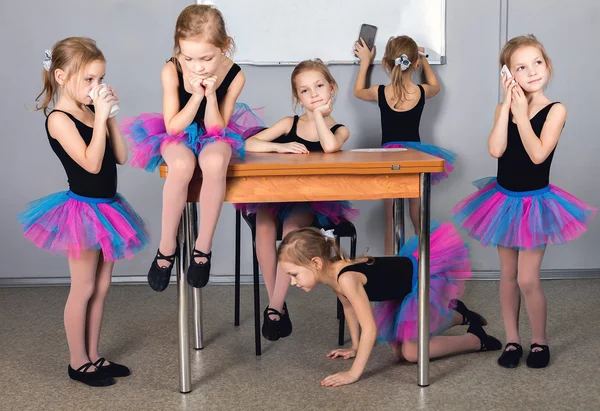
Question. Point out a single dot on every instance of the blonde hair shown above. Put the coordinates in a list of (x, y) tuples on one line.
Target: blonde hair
[(205, 22), (396, 47), (300, 246), (310, 65), (70, 55), (516, 43)]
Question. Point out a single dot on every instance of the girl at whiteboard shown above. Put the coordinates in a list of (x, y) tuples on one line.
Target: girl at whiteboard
[(519, 211), (310, 257), (401, 104), (201, 124), (313, 88)]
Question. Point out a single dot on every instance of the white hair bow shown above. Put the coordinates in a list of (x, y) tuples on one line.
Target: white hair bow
[(47, 60), (403, 62), (328, 233)]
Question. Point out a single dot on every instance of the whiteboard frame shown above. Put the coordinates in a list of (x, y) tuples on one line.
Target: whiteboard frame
[(441, 61)]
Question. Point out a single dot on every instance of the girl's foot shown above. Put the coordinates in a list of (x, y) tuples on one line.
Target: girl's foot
[(488, 343), (285, 324), (159, 275), (270, 328), (511, 356), (538, 358), (112, 369), (198, 273), (469, 317), (96, 378)]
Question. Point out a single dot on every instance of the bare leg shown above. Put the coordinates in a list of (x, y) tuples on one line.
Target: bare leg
[(535, 301), (181, 162), (443, 345), (282, 280), (413, 208), (510, 296), (96, 307), (83, 283), (213, 160), (266, 242)]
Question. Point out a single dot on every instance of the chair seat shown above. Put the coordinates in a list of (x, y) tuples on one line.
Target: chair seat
[(343, 229)]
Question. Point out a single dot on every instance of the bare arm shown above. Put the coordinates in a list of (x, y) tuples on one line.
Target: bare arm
[(540, 148), (354, 291), (177, 118), (360, 85), (117, 141), (498, 137), (351, 320), (216, 116), (431, 85), (263, 142), (331, 142)]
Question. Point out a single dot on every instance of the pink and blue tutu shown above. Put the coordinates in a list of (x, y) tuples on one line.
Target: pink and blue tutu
[(526, 220), (147, 135), (398, 320), (66, 223), (326, 213), (448, 156)]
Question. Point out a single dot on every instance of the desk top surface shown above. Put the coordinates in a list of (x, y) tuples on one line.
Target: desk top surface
[(342, 162)]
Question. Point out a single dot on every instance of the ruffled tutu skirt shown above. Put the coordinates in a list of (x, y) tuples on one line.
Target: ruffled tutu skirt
[(448, 156), (148, 136), (66, 223), (326, 212), (398, 320), (527, 220)]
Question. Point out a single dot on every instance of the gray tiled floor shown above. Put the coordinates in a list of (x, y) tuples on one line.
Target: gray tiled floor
[(140, 331)]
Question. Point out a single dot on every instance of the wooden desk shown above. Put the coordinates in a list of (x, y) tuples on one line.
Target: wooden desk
[(346, 175)]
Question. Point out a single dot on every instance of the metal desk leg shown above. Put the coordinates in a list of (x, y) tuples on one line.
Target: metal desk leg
[(423, 292), (191, 209), (185, 380), (397, 224)]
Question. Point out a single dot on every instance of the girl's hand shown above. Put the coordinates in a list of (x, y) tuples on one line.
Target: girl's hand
[(363, 53), (326, 109), (518, 105), (209, 85), (103, 103), (294, 148), (345, 353), (196, 84), (507, 84), (341, 378), (112, 90)]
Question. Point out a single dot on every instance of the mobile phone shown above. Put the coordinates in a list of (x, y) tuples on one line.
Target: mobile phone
[(505, 70), (367, 33)]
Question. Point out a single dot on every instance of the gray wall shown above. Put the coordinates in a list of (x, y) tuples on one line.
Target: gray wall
[(459, 118)]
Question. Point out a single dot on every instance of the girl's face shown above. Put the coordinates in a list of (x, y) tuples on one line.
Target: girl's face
[(199, 57), (79, 85), (529, 69), (312, 89), (301, 277)]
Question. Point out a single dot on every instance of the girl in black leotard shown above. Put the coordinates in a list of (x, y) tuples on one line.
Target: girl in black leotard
[(313, 87), (310, 257), (519, 211), (91, 224), (201, 125), (400, 105)]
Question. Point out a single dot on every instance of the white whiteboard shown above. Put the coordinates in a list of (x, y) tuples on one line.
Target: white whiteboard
[(272, 32)]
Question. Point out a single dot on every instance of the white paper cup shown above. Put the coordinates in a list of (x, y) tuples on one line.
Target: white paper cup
[(115, 107)]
